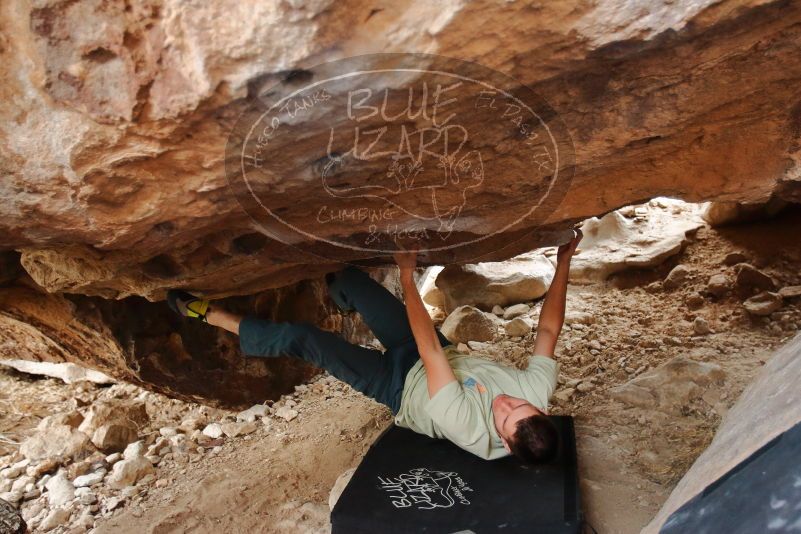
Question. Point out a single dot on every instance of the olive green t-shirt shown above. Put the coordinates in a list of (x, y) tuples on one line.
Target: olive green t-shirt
[(462, 410)]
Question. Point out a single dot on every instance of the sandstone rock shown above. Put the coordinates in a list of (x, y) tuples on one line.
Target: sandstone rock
[(286, 413), (113, 458), (695, 301), (763, 304), (233, 430), (585, 387), (498, 310), (790, 292), (213, 430), (127, 414), (613, 243), (168, 431), (519, 326), (255, 411), (723, 213), (11, 497), (90, 480), (516, 310), (562, 396), (134, 450), (718, 285), (68, 372), (579, 317), (128, 472), (114, 437), (55, 518), (751, 280), (127, 97), (670, 386), (60, 491), (701, 327), (57, 441), (467, 323), (733, 258), (483, 285), (676, 277)]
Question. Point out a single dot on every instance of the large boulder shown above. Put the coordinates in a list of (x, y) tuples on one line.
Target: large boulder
[(633, 239), (483, 285), (115, 120)]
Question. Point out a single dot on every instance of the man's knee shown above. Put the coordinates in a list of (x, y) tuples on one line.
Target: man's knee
[(341, 282)]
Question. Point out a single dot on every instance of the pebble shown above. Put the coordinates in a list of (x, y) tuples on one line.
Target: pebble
[(60, 490), (112, 459), (585, 387), (213, 430), (90, 480), (168, 431), (515, 311), (55, 518), (286, 413), (701, 327)]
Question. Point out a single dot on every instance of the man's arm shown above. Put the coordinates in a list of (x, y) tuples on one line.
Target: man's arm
[(438, 370), (552, 315)]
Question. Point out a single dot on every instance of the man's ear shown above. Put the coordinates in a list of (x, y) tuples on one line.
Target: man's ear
[(506, 445)]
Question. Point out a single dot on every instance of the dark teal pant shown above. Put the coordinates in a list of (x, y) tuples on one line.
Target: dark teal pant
[(379, 375)]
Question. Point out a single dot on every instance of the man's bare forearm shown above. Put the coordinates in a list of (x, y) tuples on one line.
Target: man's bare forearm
[(552, 315), (422, 327)]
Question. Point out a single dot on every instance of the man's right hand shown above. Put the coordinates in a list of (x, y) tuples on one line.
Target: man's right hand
[(406, 259), (567, 250)]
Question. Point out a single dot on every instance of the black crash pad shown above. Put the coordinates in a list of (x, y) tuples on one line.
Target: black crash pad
[(409, 482)]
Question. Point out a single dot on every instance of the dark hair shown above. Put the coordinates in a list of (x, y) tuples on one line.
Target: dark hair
[(535, 440)]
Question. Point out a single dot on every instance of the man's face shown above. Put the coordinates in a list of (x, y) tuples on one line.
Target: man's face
[(507, 411)]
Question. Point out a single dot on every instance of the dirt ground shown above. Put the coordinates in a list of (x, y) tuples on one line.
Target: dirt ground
[(278, 478)]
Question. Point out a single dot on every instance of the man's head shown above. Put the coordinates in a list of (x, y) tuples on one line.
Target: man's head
[(526, 431)]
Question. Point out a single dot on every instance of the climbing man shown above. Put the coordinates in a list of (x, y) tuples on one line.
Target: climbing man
[(486, 408)]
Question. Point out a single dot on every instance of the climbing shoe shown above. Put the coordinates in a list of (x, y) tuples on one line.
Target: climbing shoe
[(187, 305)]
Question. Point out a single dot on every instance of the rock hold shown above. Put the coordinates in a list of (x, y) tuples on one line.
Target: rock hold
[(763, 304), (467, 323)]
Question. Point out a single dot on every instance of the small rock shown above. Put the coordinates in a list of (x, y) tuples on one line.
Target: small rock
[(168, 431), (579, 317), (594, 345), (790, 292), (763, 304), (162, 483), (563, 395), (733, 258), (467, 323), (585, 387), (55, 518), (233, 430), (11, 497), (128, 472), (60, 490), (112, 459), (701, 327), (516, 310), (497, 310), (114, 437), (134, 450), (718, 285), (463, 348), (751, 280), (90, 480), (676, 277), (213, 430), (695, 301), (519, 326), (250, 415), (286, 413), (112, 503)]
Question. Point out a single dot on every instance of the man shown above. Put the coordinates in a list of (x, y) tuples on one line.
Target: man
[(488, 409)]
